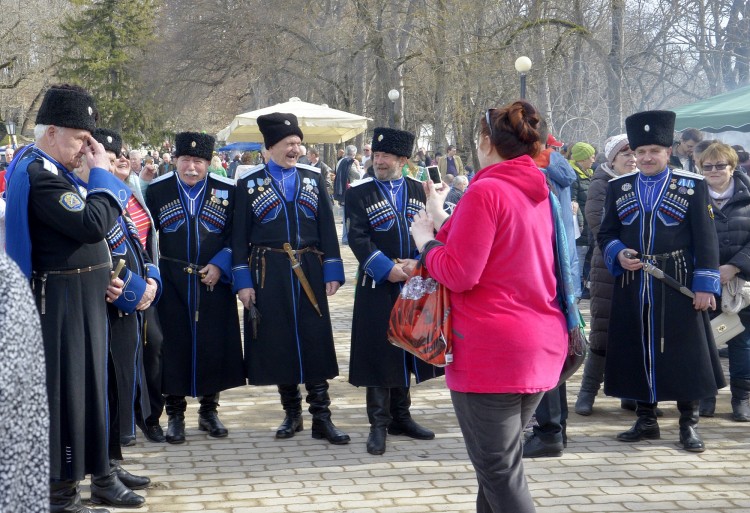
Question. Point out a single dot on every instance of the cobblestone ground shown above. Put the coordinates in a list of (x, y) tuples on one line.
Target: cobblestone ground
[(251, 472)]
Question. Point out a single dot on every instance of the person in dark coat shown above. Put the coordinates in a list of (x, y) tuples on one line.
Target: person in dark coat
[(56, 234), (730, 198), (379, 212), (286, 262), (202, 348), (125, 364), (620, 161), (660, 346)]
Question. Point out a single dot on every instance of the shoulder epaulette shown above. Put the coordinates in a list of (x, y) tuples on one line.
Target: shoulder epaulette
[(625, 175), (309, 168), (361, 181), (687, 174), (223, 179), (49, 166), (247, 172), (162, 178)]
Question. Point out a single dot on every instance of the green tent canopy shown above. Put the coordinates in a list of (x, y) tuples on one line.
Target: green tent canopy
[(721, 113)]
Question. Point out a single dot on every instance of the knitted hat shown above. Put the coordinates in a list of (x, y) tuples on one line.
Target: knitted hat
[(194, 144), (110, 139), (68, 106), (613, 145), (581, 151), (554, 142), (277, 126), (651, 127), (390, 140)]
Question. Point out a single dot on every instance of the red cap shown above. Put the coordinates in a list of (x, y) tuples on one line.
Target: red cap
[(551, 141)]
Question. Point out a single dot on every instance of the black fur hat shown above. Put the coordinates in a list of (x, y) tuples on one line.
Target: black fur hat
[(68, 106), (110, 139), (650, 127), (194, 144), (390, 140), (277, 126)]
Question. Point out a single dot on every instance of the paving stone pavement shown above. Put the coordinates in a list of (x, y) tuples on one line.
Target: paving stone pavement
[(251, 472)]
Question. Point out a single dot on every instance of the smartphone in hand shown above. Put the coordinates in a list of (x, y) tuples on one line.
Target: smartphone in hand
[(434, 174)]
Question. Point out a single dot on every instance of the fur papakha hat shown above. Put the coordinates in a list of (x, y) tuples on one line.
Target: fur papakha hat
[(68, 106), (390, 140), (194, 144), (277, 126), (111, 140), (650, 127)]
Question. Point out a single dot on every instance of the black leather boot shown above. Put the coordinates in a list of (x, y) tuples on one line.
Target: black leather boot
[(131, 481), (322, 426), (402, 423), (645, 428), (707, 407), (689, 437), (109, 490), (208, 417), (291, 401), (175, 407), (593, 375), (740, 399), (379, 415), (65, 497)]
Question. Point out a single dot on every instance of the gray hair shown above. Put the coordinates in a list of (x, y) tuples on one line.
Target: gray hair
[(302, 150), (134, 153), (351, 150), (461, 179), (39, 131)]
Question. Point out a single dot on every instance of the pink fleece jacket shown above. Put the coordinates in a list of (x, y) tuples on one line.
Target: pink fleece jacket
[(497, 260)]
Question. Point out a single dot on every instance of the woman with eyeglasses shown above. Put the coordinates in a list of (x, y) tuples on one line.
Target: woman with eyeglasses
[(495, 254), (730, 199), (620, 161)]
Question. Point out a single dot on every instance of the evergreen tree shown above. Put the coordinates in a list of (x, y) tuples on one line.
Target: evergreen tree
[(104, 43)]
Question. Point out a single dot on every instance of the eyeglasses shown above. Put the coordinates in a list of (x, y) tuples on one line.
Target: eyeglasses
[(488, 119), (718, 167)]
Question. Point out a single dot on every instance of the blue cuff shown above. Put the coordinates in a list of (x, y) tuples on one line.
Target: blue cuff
[(706, 280), (102, 181), (132, 292), (610, 257), (153, 272), (378, 266), (223, 260), (242, 278), (333, 270)]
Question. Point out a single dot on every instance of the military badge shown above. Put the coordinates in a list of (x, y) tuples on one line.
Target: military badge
[(626, 187), (71, 202), (682, 190), (690, 192), (710, 211)]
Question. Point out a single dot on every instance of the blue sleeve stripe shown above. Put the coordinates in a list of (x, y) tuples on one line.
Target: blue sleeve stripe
[(610, 253), (706, 280)]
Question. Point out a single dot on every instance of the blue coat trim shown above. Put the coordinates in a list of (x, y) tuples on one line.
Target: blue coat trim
[(132, 292), (706, 280), (378, 266), (102, 181), (223, 260), (241, 278), (333, 270), (152, 271), (610, 257)]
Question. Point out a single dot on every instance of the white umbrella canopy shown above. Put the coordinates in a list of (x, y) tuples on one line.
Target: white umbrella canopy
[(319, 123)]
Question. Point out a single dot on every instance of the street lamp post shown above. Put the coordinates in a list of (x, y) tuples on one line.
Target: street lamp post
[(523, 65), (10, 128), (393, 95)]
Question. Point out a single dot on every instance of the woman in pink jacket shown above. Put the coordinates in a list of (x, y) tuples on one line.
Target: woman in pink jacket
[(496, 256)]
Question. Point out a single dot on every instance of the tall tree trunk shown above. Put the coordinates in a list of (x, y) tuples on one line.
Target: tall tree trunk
[(614, 70)]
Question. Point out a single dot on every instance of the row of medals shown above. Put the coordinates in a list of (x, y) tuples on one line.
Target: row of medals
[(683, 190), (261, 188)]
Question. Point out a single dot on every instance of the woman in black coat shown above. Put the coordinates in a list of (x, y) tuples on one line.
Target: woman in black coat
[(730, 200), (620, 161)]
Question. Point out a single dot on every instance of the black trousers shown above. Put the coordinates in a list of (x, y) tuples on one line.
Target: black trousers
[(152, 364), (552, 415)]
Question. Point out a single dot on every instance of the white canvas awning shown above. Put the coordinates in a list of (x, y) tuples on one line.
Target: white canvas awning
[(319, 123)]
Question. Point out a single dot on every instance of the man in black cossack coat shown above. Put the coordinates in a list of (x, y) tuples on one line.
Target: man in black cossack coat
[(57, 225), (286, 263), (201, 349), (660, 344), (379, 212)]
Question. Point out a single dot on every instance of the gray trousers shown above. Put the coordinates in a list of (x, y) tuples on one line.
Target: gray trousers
[(492, 426)]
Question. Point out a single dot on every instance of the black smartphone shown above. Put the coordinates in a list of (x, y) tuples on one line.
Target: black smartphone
[(434, 174)]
